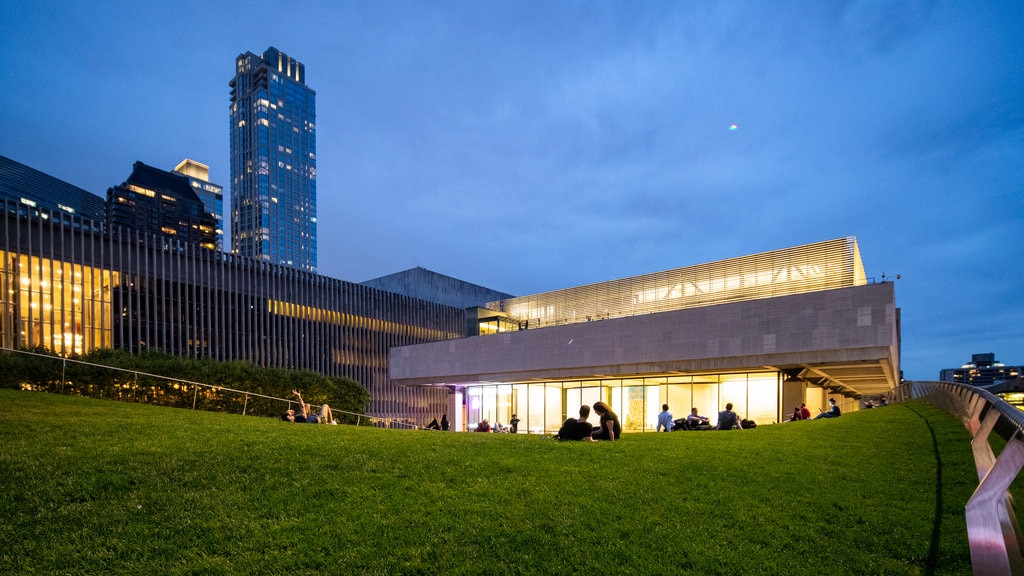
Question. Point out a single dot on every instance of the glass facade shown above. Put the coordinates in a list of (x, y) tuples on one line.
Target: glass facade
[(70, 286), (61, 306), (211, 195), (809, 268), (542, 407), (273, 161)]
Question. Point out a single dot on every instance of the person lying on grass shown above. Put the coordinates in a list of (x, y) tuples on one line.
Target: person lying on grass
[(307, 415)]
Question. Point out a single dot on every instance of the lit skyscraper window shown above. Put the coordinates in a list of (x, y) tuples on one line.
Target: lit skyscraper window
[(273, 160)]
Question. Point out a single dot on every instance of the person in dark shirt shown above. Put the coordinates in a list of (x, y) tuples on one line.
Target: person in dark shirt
[(833, 410), (727, 419), (444, 422), (576, 428), (609, 428)]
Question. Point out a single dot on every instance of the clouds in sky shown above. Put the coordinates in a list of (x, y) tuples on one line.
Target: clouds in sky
[(529, 146)]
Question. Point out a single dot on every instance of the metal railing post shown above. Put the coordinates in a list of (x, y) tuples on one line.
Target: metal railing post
[(993, 533), (991, 523)]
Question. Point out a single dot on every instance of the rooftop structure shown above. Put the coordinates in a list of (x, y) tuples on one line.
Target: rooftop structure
[(37, 191), (212, 195)]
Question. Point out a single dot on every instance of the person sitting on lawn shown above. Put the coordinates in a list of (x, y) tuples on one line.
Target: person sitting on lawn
[(693, 420), (483, 426), (727, 419), (664, 419), (609, 428), (805, 412), (576, 428), (833, 410)]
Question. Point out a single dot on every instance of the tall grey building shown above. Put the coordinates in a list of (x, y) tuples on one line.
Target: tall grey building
[(273, 160)]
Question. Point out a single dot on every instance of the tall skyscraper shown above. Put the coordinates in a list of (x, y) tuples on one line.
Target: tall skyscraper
[(273, 160)]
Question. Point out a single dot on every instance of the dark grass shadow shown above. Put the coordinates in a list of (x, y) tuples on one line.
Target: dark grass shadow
[(933, 547)]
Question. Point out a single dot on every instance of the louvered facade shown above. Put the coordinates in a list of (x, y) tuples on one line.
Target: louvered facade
[(71, 286)]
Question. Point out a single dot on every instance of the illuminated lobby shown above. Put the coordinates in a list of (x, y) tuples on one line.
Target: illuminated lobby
[(765, 332)]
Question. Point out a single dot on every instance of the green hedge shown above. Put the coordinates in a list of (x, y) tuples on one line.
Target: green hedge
[(165, 380)]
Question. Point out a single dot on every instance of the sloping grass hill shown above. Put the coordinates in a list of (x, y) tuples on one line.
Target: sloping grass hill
[(100, 487)]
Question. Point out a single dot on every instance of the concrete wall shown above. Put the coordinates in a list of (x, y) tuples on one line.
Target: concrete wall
[(843, 326)]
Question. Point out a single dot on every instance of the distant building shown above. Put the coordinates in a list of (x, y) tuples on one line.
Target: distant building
[(154, 201), (982, 370), (212, 195), (37, 192), (433, 287), (428, 285), (273, 161)]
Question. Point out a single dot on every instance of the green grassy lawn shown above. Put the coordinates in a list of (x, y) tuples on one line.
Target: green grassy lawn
[(101, 487)]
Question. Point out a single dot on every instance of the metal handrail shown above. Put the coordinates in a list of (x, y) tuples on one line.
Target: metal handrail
[(379, 421), (993, 533)]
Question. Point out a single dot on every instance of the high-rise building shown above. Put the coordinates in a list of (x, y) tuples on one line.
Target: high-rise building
[(273, 160), (210, 194), (155, 201)]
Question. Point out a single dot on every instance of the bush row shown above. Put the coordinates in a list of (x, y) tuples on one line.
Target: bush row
[(159, 378)]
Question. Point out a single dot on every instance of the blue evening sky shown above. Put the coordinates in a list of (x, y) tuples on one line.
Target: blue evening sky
[(534, 145)]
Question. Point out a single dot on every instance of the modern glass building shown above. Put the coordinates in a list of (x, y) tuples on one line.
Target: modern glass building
[(273, 161), (212, 195), (41, 193), (765, 332), (73, 285)]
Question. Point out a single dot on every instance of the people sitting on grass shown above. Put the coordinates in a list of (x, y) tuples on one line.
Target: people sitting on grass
[(576, 428), (609, 429), (805, 412), (727, 419), (833, 410), (483, 426), (694, 420), (796, 415)]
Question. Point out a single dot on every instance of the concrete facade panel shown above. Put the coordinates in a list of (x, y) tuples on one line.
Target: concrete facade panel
[(855, 324)]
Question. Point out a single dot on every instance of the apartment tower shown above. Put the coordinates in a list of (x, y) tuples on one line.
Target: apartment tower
[(273, 160)]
